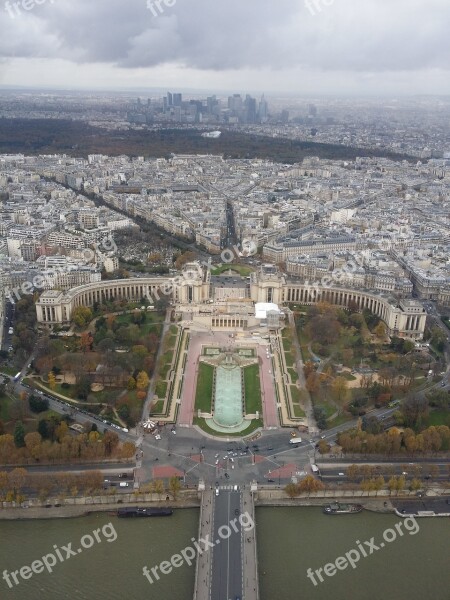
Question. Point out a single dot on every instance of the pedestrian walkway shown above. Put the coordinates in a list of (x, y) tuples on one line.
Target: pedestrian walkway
[(249, 551), (203, 567)]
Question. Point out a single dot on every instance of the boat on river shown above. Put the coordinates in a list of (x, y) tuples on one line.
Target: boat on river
[(337, 508), (135, 511)]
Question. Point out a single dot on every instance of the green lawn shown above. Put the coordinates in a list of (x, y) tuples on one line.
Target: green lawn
[(161, 388), (5, 405), (342, 418), (348, 376), (293, 373), (204, 392), (9, 370), (438, 417), (252, 388), (290, 360), (298, 412), (153, 323), (298, 396), (157, 408), (328, 408), (150, 317)]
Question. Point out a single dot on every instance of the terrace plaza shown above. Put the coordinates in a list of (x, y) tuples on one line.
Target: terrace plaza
[(224, 317), (228, 303)]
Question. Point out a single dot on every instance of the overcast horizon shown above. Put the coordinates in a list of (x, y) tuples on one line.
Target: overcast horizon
[(291, 47)]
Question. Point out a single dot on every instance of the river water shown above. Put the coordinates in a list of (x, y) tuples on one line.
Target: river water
[(106, 571), (413, 567)]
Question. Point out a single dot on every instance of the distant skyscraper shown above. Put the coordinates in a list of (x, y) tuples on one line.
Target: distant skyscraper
[(235, 103), (312, 108), (263, 109), (177, 99), (285, 116), (211, 103), (169, 99), (250, 109)]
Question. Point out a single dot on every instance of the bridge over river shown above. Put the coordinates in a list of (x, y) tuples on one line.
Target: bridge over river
[(228, 569)]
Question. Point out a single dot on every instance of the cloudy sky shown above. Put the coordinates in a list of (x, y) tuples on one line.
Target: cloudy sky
[(284, 46)]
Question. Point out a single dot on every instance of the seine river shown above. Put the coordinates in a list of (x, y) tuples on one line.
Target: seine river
[(413, 567)]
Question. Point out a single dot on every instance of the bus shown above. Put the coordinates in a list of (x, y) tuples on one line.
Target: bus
[(17, 377)]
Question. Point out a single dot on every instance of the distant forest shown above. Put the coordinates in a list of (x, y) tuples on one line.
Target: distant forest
[(75, 138)]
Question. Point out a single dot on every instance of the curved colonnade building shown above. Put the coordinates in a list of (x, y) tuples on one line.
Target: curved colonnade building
[(193, 288)]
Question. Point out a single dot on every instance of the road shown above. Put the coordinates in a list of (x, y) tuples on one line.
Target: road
[(227, 572)]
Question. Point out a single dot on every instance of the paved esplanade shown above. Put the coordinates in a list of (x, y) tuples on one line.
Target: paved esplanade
[(228, 570)]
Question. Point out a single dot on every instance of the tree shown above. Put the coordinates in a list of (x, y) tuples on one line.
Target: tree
[(380, 330), (4, 484), (438, 339), (184, 258), (324, 447), (61, 431), (81, 316), (142, 381), (353, 472), (51, 380), (291, 490), (37, 404), (313, 383), (310, 484), (17, 479), (415, 411), (19, 435), (159, 487), (324, 329), (86, 340), (83, 388), (320, 417), (415, 484), (174, 486), (110, 441), (339, 388), (128, 450), (131, 385)]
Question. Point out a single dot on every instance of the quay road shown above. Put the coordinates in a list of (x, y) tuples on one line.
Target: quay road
[(229, 569), (437, 470)]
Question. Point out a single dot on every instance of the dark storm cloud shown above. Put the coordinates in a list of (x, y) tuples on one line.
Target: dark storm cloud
[(351, 35)]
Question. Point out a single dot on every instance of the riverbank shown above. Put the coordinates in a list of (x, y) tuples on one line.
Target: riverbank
[(402, 505), (71, 512)]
